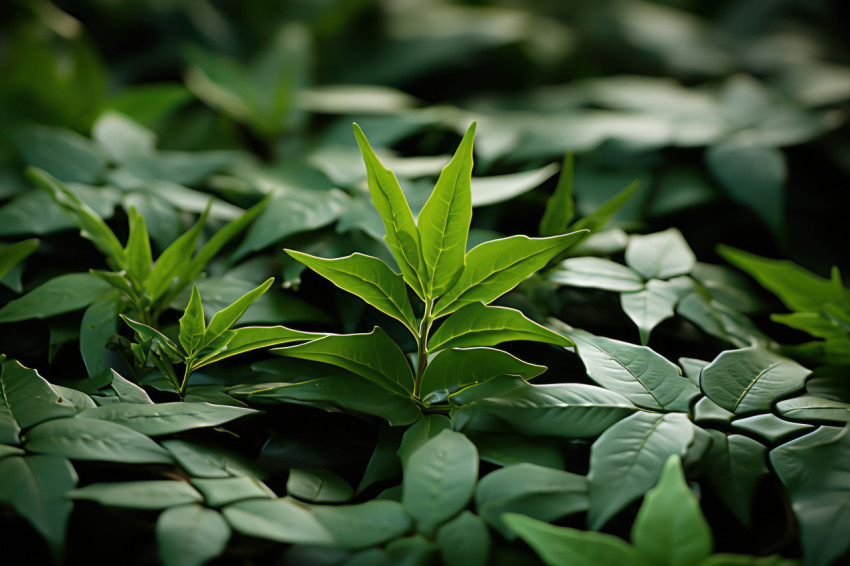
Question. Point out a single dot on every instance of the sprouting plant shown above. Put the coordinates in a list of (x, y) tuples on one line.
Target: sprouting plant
[(452, 285)]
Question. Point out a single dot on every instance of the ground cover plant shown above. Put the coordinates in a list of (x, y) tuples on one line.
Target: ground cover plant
[(423, 283)]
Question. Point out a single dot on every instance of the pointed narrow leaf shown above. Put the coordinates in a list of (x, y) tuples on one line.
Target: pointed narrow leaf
[(160, 340), (402, 235), (137, 254), (139, 494), (13, 254), (64, 293), (598, 218), (190, 535), (627, 460), (444, 221), (192, 324), (367, 277), (494, 268), (28, 399), (670, 527), (223, 320), (478, 324), (174, 260), (166, 418), (373, 356), (250, 338), (560, 207)]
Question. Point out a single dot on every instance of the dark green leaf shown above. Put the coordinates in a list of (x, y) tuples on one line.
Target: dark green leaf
[(734, 466), (166, 418), (364, 525), (99, 324), (137, 254), (190, 535), (27, 400), (464, 541), (419, 433), (173, 262), (318, 485), (218, 492), (250, 338), (599, 217), (281, 520), (649, 307), (559, 207), (160, 341), (64, 293), (209, 461), (15, 253), (64, 154), (769, 426), (139, 494), (811, 408)]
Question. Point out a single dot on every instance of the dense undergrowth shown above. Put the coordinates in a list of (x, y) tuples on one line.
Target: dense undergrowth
[(570, 291)]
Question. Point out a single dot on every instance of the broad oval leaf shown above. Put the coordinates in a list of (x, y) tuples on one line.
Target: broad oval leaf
[(645, 378), (649, 307), (90, 439), (509, 404), (464, 541), (597, 273), (159, 494), (444, 221), (478, 324), (364, 525), (439, 480), (661, 255), (419, 433), (65, 293), (218, 492), (627, 459), (495, 267), (318, 485), (749, 380), (27, 399), (190, 535), (281, 520), (166, 418), (373, 356), (367, 277), (457, 368), (811, 408)]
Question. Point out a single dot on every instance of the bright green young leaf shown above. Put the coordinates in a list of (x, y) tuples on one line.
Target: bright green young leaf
[(478, 324), (734, 466), (35, 487), (27, 400), (166, 418), (439, 480), (647, 379), (192, 324), (456, 368), (13, 254), (749, 380), (139, 494), (250, 338), (661, 255), (596, 273), (90, 439), (64, 293), (138, 258), (223, 320), (174, 260), (464, 541), (218, 492), (562, 546), (402, 235), (649, 307), (627, 459), (190, 535), (281, 520), (318, 485), (817, 324), (367, 277), (160, 341), (373, 356), (811, 408), (560, 208), (494, 268), (670, 527), (444, 221), (419, 433), (510, 404), (364, 525), (541, 493)]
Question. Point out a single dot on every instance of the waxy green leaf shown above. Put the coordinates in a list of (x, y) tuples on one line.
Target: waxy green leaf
[(190, 535), (224, 319), (218, 492), (250, 338), (166, 418), (192, 324), (318, 485), (281, 520), (139, 494), (64, 293), (661, 255), (734, 466), (364, 525), (27, 399), (811, 408), (464, 541), (649, 307)]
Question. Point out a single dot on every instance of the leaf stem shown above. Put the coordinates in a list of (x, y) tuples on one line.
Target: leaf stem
[(422, 345), (186, 373)]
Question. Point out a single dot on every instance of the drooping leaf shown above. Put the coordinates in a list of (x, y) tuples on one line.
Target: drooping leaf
[(365, 524), (734, 466), (439, 480), (190, 535), (560, 208), (15, 253), (27, 400), (139, 494), (627, 459), (281, 520), (494, 268), (661, 255), (478, 324), (444, 221), (166, 418), (318, 485), (596, 273), (649, 307), (63, 293), (224, 319), (464, 541), (749, 380)]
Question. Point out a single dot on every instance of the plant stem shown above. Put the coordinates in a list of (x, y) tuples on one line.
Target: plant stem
[(182, 390), (422, 346)]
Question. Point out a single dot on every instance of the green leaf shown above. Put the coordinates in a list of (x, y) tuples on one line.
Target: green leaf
[(6, 451), (562, 546), (811, 408), (416, 550), (174, 261), (373, 356), (121, 138), (421, 432), (35, 487), (62, 153), (218, 492), (64, 293), (15, 253), (661, 255), (99, 324), (27, 400), (536, 491), (364, 525), (599, 217), (139, 494), (707, 410), (444, 221), (190, 535), (670, 527), (250, 338), (137, 254), (90, 439), (494, 268), (367, 277), (224, 319), (210, 461), (318, 485), (92, 227), (769, 426), (454, 369), (509, 449), (402, 235), (439, 480), (501, 188), (478, 324), (559, 207), (192, 324), (280, 520), (464, 541), (627, 459), (509, 404), (645, 378), (815, 470), (166, 418), (734, 466), (160, 341), (649, 307), (596, 273), (749, 380)]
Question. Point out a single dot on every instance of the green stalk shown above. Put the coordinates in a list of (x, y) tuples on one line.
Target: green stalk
[(422, 346)]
